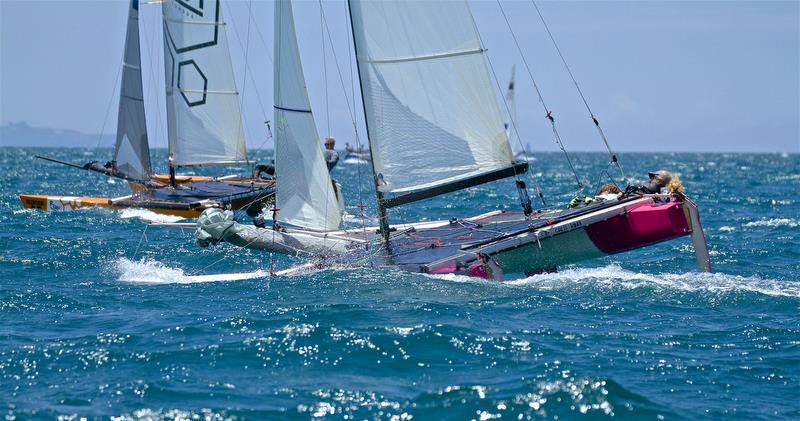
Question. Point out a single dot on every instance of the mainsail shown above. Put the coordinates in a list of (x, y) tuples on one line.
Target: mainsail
[(305, 194), (204, 120), (432, 115), (131, 151)]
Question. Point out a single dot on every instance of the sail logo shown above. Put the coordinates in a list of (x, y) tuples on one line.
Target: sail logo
[(190, 79), (197, 10), (188, 36)]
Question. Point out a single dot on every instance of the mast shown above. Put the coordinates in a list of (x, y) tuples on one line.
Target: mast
[(131, 149), (383, 217)]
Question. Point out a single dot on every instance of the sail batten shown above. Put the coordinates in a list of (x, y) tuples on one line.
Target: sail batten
[(427, 57), (131, 149), (305, 194), (432, 115), (204, 123)]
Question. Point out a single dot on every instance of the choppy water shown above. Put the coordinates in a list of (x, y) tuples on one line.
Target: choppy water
[(98, 318)]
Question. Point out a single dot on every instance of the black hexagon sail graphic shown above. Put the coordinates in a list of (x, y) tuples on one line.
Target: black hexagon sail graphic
[(189, 77)]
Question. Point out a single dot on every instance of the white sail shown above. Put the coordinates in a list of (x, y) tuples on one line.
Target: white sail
[(203, 117), (131, 151), (432, 115), (305, 194)]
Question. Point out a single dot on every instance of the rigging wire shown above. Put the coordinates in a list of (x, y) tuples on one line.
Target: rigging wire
[(350, 109), (327, 109), (250, 74), (533, 178), (360, 205), (324, 68), (117, 84), (153, 85), (614, 159), (548, 112), (244, 78)]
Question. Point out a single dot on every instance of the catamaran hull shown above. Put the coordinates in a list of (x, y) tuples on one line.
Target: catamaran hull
[(215, 226), (597, 234), (638, 227), (182, 209)]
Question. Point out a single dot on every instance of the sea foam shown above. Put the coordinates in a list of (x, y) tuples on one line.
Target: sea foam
[(148, 215), (615, 276), (155, 272)]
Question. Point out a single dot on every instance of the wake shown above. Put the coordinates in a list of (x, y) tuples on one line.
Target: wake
[(614, 276), (156, 273)]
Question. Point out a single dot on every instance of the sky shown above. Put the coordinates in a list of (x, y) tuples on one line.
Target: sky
[(659, 75)]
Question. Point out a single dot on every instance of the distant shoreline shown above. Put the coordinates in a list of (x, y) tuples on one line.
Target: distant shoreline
[(22, 135)]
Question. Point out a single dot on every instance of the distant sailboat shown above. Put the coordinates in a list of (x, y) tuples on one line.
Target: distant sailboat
[(203, 118), (521, 150)]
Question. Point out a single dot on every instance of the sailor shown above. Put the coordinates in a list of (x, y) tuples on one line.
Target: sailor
[(658, 181), (264, 169), (331, 156), (109, 167)]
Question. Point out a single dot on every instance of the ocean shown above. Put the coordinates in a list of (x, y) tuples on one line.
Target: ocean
[(99, 319)]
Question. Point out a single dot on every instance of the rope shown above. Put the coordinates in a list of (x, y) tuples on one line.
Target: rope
[(347, 102), (153, 79), (580, 92), (247, 67), (324, 68), (110, 101), (508, 110), (548, 113), (143, 237)]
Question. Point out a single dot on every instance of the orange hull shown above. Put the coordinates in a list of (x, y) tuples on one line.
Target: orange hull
[(71, 203)]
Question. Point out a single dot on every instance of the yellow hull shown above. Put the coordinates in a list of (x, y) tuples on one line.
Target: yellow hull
[(71, 203)]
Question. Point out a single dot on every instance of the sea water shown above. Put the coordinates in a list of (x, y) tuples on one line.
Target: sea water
[(101, 317)]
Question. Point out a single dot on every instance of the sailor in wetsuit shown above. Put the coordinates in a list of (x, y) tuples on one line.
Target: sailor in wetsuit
[(109, 168), (331, 156)]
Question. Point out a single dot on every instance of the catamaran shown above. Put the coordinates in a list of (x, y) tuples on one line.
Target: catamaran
[(204, 123), (435, 127)]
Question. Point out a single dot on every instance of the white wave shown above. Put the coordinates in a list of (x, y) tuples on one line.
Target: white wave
[(727, 228), (452, 277), (613, 276), (154, 272), (358, 220), (354, 161), (774, 222), (148, 215)]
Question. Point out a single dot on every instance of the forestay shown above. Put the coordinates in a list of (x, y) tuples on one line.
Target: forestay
[(432, 114), (305, 194), (131, 151), (204, 120)]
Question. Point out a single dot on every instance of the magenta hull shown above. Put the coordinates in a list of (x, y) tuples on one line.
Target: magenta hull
[(641, 226)]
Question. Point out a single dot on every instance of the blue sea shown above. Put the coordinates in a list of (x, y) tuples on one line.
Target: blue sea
[(99, 319)]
